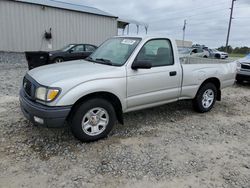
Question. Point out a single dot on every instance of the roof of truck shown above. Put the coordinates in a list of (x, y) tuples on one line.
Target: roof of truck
[(146, 37)]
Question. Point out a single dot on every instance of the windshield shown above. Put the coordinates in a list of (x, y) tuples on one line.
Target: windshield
[(66, 48), (115, 51)]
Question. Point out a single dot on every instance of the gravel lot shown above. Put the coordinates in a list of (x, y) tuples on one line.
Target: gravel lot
[(168, 146)]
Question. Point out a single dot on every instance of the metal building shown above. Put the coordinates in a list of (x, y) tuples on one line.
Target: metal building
[(181, 43), (23, 24)]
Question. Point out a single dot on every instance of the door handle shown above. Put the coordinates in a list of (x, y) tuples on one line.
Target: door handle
[(172, 73)]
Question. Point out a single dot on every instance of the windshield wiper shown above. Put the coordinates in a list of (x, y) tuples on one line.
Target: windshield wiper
[(104, 61), (90, 59)]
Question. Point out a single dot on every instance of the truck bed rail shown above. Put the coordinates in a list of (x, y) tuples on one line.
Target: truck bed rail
[(199, 60)]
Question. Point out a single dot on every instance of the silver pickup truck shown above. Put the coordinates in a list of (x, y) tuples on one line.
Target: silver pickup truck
[(124, 74)]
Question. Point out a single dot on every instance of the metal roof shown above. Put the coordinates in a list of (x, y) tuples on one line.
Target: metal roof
[(126, 21), (68, 6)]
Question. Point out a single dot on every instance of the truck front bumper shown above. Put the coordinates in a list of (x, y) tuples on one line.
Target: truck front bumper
[(242, 77), (43, 115)]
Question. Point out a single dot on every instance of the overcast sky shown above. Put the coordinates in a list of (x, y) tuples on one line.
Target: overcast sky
[(207, 21)]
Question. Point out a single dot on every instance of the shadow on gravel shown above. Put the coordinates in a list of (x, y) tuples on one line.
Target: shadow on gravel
[(243, 84), (152, 118)]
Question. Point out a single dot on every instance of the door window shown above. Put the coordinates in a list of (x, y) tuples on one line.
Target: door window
[(89, 48), (78, 48), (199, 50), (158, 52)]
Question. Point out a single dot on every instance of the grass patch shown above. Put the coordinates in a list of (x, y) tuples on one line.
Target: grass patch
[(237, 55)]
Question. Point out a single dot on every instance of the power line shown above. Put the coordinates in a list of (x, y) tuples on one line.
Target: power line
[(241, 18), (190, 16), (194, 9), (239, 7)]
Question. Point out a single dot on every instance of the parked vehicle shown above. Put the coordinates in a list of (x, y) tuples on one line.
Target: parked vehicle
[(243, 73), (217, 54), (67, 53), (124, 74), (194, 52)]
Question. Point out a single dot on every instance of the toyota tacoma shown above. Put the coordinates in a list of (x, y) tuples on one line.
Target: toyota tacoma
[(124, 74)]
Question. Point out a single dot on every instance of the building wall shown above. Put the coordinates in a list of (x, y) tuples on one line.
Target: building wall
[(185, 44), (22, 27)]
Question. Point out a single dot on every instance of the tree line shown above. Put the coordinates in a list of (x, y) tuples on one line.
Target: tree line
[(236, 50)]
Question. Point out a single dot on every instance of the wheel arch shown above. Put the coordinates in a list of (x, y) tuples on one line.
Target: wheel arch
[(110, 97), (57, 57), (217, 84), (218, 56)]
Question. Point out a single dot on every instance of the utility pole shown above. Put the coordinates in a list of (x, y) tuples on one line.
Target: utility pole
[(184, 29), (230, 22)]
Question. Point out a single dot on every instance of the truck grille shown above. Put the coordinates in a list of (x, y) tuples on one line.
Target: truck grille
[(27, 86), (245, 66)]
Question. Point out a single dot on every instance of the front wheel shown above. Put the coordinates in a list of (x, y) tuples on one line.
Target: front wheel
[(93, 120), (58, 60), (205, 98)]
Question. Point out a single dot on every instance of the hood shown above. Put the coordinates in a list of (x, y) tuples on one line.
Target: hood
[(246, 59), (74, 72)]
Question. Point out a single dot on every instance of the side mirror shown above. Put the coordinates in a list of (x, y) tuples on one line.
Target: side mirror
[(140, 64), (70, 50)]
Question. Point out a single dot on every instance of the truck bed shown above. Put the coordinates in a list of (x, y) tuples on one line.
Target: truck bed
[(199, 60), (196, 70)]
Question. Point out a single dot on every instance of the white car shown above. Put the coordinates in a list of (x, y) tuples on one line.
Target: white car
[(193, 52), (243, 73), (218, 54)]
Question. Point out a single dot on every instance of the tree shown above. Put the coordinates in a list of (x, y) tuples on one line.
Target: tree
[(224, 49), (237, 50)]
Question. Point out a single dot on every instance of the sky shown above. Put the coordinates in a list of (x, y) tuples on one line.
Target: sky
[(207, 21)]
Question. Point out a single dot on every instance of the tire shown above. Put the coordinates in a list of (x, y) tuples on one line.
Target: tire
[(217, 56), (58, 60), (205, 98), (239, 81), (87, 125)]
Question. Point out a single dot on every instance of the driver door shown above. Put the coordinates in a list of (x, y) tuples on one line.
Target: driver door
[(76, 52), (159, 84)]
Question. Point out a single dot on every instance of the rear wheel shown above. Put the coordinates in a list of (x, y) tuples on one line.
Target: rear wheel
[(93, 120), (58, 60), (205, 98)]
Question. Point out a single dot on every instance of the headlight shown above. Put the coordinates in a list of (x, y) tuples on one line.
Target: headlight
[(238, 66), (50, 55), (41, 93), (46, 94)]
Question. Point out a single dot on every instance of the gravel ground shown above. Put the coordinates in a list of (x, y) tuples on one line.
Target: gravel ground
[(168, 146)]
